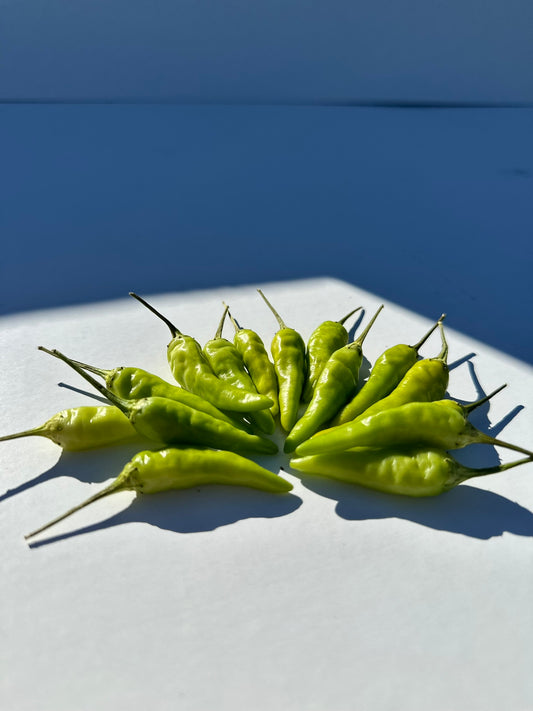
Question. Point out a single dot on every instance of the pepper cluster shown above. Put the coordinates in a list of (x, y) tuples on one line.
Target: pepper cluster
[(391, 435)]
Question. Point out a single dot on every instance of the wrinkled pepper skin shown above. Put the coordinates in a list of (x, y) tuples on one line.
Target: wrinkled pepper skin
[(261, 369), (409, 473), (414, 472), (327, 338), (186, 467), (171, 422), (228, 365), (288, 352), (336, 384), (387, 373), (192, 371), (135, 384), (442, 424), (152, 472), (79, 429)]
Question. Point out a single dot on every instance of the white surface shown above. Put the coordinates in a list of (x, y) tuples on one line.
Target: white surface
[(331, 597)]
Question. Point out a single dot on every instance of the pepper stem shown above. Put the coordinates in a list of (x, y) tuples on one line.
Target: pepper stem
[(362, 337), (173, 330), (421, 342), (483, 438), (467, 473), (114, 486), (218, 334), (345, 318), (117, 401), (278, 317), (235, 324), (37, 431), (93, 369), (443, 355), (472, 405)]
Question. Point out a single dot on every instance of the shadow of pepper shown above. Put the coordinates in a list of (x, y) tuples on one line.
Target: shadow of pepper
[(465, 510), (92, 466), (193, 510)]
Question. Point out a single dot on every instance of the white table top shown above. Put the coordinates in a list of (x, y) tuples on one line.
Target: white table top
[(329, 597)]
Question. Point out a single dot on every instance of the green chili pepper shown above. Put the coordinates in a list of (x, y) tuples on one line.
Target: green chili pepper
[(426, 380), (410, 472), (441, 424), (257, 362), (288, 352), (228, 365), (323, 342), (83, 428), (163, 420), (182, 468), (388, 371), (336, 384), (136, 383), (190, 368)]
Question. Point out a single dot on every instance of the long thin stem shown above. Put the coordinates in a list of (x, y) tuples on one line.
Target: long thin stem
[(114, 486), (472, 405), (233, 321), (362, 337), (93, 369), (345, 318), (278, 317), (487, 439), (218, 334), (119, 402), (36, 432), (173, 330), (443, 355), (496, 469), (424, 338)]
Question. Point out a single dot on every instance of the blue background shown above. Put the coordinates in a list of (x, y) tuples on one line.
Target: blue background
[(172, 146)]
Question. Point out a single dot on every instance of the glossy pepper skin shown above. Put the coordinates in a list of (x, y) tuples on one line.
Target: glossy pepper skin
[(135, 383), (288, 352), (182, 468), (192, 371), (409, 472), (171, 422), (327, 338), (442, 424), (258, 364), (83, 428), (337, 383), (228, 365), (425, 381), (387, 373)]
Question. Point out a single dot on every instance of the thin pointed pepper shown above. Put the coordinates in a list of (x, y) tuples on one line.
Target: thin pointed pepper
[(82, 428), (182, 468), (135, 383), (409, 472), (171, 422), (425, 381), (288, 352), (255, 358), (388, 371), (442, 424), (336, 384), (228, 365), (190, 368), (327, 338)]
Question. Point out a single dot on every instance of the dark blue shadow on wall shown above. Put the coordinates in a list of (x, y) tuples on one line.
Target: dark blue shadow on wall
[(430, 209)]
